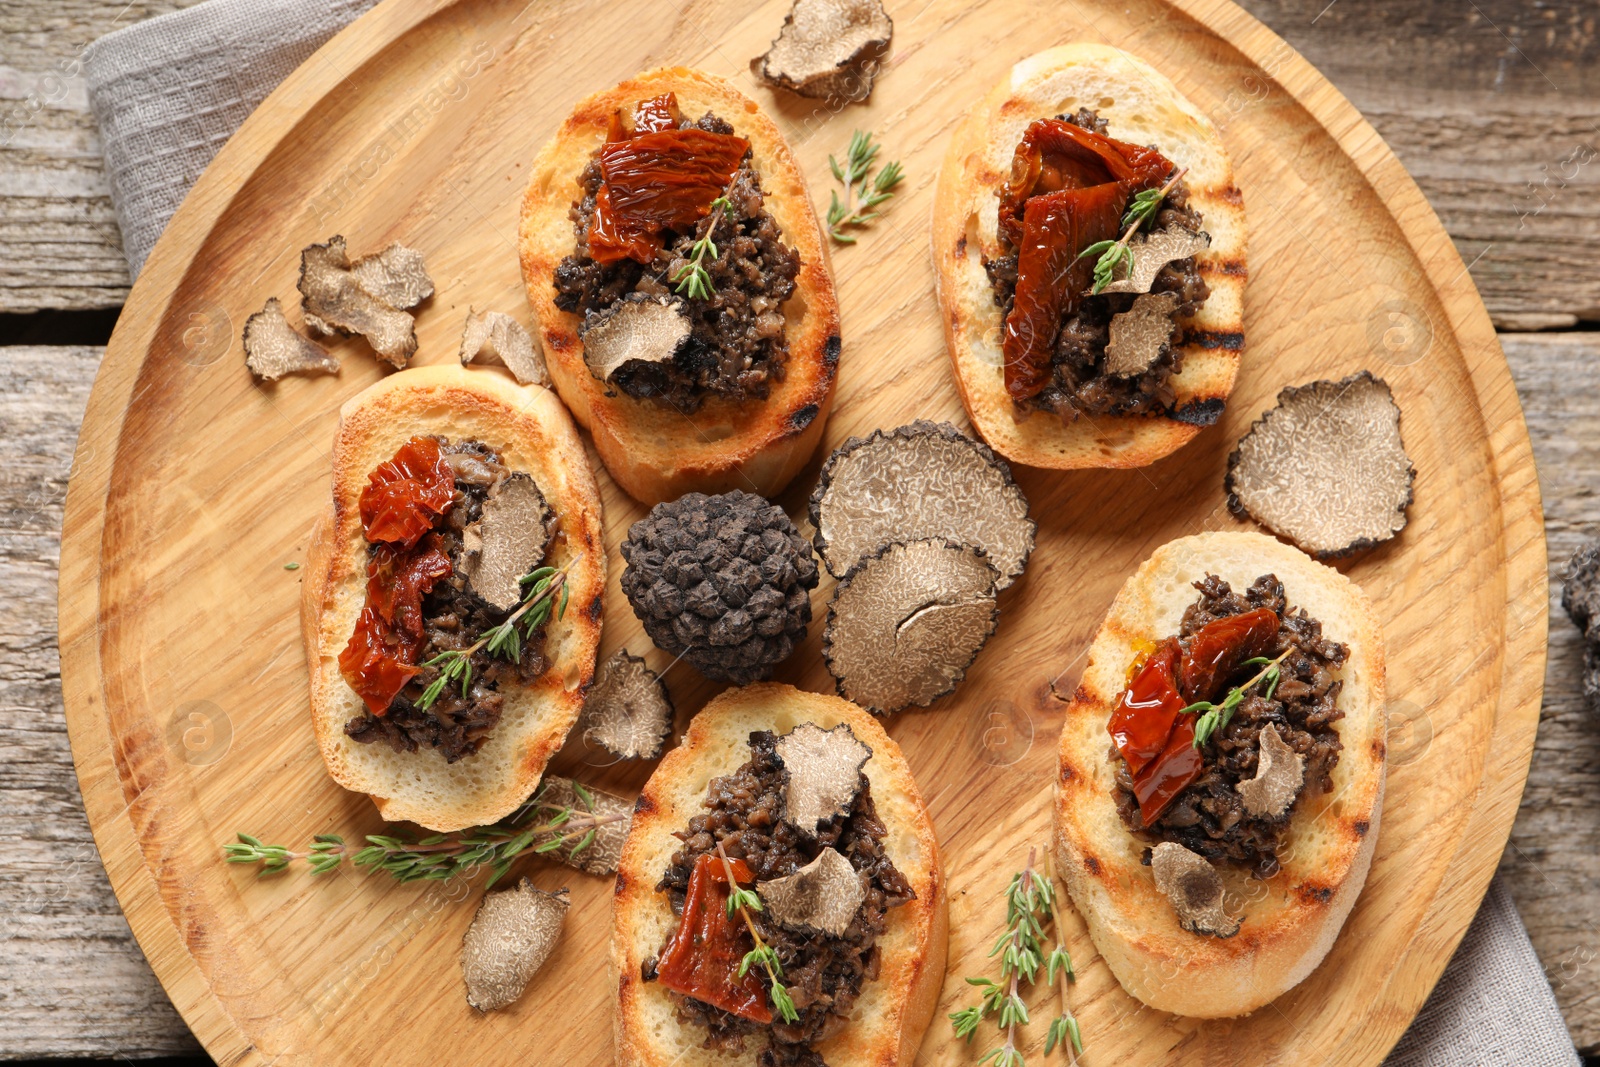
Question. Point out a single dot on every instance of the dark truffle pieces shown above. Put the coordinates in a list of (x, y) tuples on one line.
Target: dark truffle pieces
[(1580, 596), (1326, 468), (722, 581)]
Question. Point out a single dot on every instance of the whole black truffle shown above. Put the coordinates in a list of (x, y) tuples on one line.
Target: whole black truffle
[(722, 581)]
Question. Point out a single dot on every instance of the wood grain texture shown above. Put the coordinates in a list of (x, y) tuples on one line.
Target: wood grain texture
[(1459, 91), (168, 521), (72, 980), (1552, 862), (59, 245)]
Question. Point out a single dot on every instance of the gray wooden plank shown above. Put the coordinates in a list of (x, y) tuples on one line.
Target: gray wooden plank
[(1552, 864), (59, 244), (72, 979)]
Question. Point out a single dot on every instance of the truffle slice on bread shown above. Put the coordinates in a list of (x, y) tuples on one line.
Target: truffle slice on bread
[(894, 1009), (534, 435), (1289, 921), (1142, 107), (654, 452)]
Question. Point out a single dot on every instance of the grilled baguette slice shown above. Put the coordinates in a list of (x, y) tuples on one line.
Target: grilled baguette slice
[(1291, 919), (653, 452), (534, 434), (1142, 107), (894, 1009)]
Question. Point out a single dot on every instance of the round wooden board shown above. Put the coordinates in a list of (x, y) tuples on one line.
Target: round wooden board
[(181, 657)]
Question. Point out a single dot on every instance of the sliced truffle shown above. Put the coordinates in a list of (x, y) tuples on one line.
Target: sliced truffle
[(1280, 772), (507, 541), (1194, 889), (272, 348), (906, 622), (1139, 336), (627, 710), (823, 769), (821, 897), (645, 330), (396, 276), (495, 337), (511, 936), (1326, 468), (925, 480), (1153, 251), (334, 299), (610, 814), (828, 49)]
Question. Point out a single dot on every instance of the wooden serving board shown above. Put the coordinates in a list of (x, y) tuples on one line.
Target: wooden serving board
[(181, 659)]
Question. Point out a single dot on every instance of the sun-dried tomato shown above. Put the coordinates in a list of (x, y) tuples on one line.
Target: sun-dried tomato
[(377, 661), (656, 114), (404, 496), (398, 578), (1051, 276), (1143, 719), (1055, 154), (1215, 652), (1169, 773), (663, 179), (702, 959)]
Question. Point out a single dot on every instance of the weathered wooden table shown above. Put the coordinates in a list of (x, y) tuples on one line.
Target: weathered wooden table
[(1494, 105)]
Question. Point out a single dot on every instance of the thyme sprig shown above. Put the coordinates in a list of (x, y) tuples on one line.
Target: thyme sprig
[(862, 191), (1030, 902), (538, 827), (692, 279), (1215, 717), (1058, 972), (455, 665), (1119, 253), (742, 902)]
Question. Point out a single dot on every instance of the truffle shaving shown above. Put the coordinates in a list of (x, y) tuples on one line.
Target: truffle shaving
[(1153, 251), (1326, 468), (821, 897), (1194, 889), (507, 541), (609, 814), (907, 622), (496, 338), (510, 938), (336, 299), (272, 348), (824, 773), (925, 480), (643, 330), (1280, 772), (1139, 336), (627, 711), (828, 49)]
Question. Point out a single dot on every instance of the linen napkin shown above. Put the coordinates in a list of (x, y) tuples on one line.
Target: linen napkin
[(166, 94)]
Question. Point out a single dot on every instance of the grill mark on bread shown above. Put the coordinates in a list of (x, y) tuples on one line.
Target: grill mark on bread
[(1225, 268), (1231, 340)]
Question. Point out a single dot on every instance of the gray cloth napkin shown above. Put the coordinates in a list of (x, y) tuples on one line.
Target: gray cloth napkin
[(168, 92)]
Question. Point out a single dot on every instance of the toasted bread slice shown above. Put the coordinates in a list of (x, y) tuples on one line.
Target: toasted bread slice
[(654, 452), (1291, 919), (533, 434), (1142, 107), (894, 1009)]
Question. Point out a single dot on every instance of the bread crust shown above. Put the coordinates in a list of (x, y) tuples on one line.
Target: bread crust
[(655, 453), (894, 1009), (1144, 107), (1290, 920), (534, 434)]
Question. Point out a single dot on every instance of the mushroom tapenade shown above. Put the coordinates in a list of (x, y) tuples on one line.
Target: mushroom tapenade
[(1171, 789), (672, 214), (1072, 189), (822, 972), (422, 513)]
